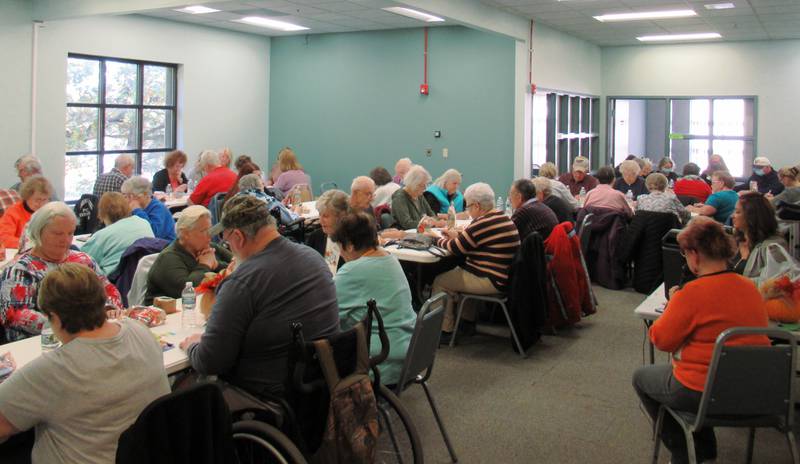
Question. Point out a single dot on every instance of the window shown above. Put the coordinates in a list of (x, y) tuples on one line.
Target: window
[(564, 126), (116, 106)]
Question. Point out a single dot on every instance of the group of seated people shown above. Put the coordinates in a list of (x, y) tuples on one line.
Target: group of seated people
[(325, 282)]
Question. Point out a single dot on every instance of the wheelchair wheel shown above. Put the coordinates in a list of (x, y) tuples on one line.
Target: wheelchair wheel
[(398, 441), (260, 443)]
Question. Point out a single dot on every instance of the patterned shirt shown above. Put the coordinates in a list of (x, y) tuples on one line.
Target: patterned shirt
[(8, 198), (662, 202), (489, 243), (109, 182), (19, 311)]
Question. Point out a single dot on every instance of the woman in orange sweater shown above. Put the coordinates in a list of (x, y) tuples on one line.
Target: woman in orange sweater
[(695, 315), (35, 192)]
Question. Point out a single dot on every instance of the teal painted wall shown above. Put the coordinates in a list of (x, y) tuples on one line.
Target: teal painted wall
[(349, 102)]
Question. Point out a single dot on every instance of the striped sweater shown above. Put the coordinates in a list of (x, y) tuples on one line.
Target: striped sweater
[(489, 244)]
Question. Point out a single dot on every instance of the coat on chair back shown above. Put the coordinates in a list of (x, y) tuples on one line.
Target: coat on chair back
[(642, 246), (607, 231)]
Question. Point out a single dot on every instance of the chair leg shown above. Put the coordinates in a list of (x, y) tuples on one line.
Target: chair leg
[(792, 446), (558, 298), (458, 320), (589, 282), (751, 438), (513, 332), (439, 422), (690, 445), (657, 434)]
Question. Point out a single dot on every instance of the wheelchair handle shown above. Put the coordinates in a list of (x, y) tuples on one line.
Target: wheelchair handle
[(372, 311)]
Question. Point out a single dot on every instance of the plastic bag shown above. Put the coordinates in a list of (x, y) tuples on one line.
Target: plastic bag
[(778, 263)]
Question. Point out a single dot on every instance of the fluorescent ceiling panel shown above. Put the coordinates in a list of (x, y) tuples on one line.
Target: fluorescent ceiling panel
[(414, 14), (197, 9), (643, 15), (675, 37), (271, 24)]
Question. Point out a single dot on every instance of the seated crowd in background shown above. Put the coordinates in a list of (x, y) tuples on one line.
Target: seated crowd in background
[(444, 191), (112, 180), (216, 179), (579, 178), (604, 195), (172, 175), (144, 205)]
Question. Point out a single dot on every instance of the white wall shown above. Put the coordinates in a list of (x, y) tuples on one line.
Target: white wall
[(223, 81), (768, 70)]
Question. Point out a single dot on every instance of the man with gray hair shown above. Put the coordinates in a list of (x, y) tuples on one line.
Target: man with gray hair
[(26, 166), (112, 181), (217, 179), (362, 191), (579, 177), (276, 283), (400, 169), (488, 245), (139, 193)]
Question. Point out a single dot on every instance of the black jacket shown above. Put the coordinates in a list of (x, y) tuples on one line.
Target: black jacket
[(561, 208), (642, 246), (767, 183), (527, 290), (606, 233), (161, 180), (638, 187)]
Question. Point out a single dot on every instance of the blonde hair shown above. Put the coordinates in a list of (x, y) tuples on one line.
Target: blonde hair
[(287, 160), (35, 184), (449, 176), (548, 170), (112, 207)]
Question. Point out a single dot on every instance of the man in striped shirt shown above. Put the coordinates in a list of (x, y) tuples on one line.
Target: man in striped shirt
[(488, 245)]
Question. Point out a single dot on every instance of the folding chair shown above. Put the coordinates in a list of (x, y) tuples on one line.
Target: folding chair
[(747, 386), (421, 353), (499, 299)]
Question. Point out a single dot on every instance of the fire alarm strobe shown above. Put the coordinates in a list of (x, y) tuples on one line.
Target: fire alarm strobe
[(423, 89)]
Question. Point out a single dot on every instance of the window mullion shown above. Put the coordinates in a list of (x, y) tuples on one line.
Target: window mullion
[(101, 123)]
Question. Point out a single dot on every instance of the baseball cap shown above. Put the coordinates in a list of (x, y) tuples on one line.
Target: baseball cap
[(580, 164), (761, 161), (240, 211)]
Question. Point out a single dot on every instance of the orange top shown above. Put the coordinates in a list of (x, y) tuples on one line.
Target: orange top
[(698, 313), (13, 223)]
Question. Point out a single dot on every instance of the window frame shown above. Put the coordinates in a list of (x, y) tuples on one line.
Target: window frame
[(138, 105)]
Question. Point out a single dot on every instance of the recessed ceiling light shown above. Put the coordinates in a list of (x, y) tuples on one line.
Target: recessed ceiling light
[(197, 9), (671, 37), (270, 23), (414, 14), (719, 6), (640, 15)]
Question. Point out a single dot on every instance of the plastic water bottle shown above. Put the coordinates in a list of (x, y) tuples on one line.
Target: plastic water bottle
[(672, 184), (508, 207), (168, 190), (188, 302), (451, 216), (499, 203), (49, 340), (754, 186), (582, 196)]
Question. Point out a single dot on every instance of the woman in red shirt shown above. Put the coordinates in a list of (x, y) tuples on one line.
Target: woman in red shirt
[(695, 315)]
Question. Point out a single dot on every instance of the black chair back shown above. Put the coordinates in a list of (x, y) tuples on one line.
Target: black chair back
[(86, 212), (672, 260), (750, 380), (687, 200), (424, 342), (585, 232)]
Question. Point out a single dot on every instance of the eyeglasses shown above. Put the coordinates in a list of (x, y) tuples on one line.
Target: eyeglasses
[(684, 251), (470, 205)]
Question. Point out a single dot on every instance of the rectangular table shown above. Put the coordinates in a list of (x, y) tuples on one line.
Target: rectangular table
[(648, 311)]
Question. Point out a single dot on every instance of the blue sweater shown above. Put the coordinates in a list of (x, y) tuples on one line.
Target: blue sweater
[(160, 219)]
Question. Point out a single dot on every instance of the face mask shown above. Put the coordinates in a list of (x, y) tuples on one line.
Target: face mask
[(667, 170), (758, 171)]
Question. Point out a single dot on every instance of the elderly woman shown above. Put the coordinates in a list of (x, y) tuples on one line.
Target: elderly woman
[(659, 201), (721, 203), (691, 185), (557, 189), (667, 168), (605, 196), (35, 192), (791, 191), (242, 170), (646, 167), (631, 181), (755, 228), (385, 186), (172, 175), (121, 229), (216, 179), (409, 207), (371, 272), (188, 258), (715, 163), (487, 244), (332, 206), (291, 172), (444, 191), (253, 185), (83, 396), (695, 315), (140, 197), (563, 210), (50, 230)]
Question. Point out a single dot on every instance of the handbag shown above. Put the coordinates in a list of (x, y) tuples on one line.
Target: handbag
[(419, 242), (779, 284)]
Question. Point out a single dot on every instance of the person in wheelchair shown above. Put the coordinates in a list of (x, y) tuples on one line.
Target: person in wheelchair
[(277, 283), (371, 272)]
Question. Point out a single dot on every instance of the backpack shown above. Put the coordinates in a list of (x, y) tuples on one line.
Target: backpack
[(86, 212)]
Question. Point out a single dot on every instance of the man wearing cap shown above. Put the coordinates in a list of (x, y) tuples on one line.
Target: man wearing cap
[(766, 177), (579, 177), (276, 283)]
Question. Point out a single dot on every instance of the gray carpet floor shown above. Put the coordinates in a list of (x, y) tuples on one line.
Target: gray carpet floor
[(570, 401)]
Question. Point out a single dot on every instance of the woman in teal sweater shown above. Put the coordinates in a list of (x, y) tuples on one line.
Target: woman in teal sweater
[(371, 273), (122, 229)]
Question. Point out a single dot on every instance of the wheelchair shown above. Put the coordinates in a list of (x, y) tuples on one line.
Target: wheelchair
[(290, 430)]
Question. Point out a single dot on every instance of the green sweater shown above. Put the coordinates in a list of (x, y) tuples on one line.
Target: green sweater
[(175, 266), (408, 212), (381, 278), (107, 244)]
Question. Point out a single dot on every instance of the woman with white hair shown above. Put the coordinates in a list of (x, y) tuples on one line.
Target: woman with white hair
[(488, 245), (188, 258), (138, 192), (409, 207), (50, 231), (631, 181), (661, 201), (444, 191), (217, 179), (332, 206), (557, 189)]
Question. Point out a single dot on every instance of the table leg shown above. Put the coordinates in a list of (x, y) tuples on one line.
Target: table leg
[(647, 325), (420, 286)]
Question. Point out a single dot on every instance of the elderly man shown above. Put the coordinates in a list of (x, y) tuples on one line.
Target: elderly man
[(764, 176), (530, 215), (362, 191), (26, 166), (217, 179), (488, 245), (112, 181), (276, 283), (138, 192), (579, 177), (564, 211), (400, 169)]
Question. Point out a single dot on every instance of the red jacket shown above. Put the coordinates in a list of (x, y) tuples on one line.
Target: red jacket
[(13, 223), (567, 270), (695, 187), (217, 181)]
